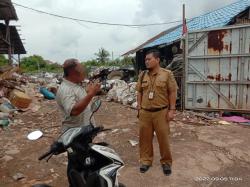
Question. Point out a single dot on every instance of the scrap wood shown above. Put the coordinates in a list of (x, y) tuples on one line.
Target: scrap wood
[(8, 74), (203, 116), (5, 68), (8, 84), (195, 123), (20, 89)]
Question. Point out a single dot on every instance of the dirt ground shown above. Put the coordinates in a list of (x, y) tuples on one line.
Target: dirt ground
[(217, 155)]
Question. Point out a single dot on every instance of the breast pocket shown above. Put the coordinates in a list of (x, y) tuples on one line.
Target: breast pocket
[(161, 86), (145, 85)]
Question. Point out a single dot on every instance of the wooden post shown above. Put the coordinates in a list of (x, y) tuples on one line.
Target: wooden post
[(183, 54), (183, 14), (7, 37), (19, 60)]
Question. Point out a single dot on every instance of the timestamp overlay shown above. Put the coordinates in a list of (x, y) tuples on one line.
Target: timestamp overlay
[(220, 179)]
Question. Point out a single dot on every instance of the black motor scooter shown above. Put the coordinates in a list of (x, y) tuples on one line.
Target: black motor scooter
[(89, 164)]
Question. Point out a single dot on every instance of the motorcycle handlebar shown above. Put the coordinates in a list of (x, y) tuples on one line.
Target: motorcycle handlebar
[(93, 132), (56, 147), (97, 130), (45, 155)]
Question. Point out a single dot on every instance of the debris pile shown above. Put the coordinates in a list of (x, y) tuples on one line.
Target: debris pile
[(123, 92), (176, 66), (108, 74), (195, 118), (208, 118), (18, 92)]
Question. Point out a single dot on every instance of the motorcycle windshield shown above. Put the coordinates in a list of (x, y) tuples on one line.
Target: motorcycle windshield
[(68, 136)]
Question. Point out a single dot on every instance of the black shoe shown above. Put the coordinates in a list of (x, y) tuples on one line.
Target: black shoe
[(144, 168), (166, 169)]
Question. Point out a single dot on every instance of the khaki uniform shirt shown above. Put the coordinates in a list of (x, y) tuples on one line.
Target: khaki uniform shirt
[(160, 84), (67, 96)]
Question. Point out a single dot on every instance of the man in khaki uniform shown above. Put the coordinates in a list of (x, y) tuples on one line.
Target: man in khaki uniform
[(157, 90)]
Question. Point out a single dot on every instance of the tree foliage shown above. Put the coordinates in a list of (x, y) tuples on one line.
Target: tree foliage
[(120, 62), (36, 63), (102, 55), (103, 60), (3, 60)]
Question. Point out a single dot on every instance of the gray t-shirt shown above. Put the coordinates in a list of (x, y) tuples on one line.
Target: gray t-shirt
[(67, 96)]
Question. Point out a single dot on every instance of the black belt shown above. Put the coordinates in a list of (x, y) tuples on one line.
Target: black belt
[(155, 109)]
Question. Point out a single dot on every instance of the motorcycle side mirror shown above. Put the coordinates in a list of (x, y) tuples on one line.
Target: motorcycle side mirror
[(95, 105)]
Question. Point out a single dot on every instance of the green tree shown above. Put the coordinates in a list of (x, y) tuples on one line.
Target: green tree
[(3, 60), (90, 63), (102, 56), (127, 61), (32, 63), (122, 62), (36, 63), (55, 67)]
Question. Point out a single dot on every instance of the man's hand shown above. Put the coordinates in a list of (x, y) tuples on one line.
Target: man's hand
[(93, 88), (171, 115)]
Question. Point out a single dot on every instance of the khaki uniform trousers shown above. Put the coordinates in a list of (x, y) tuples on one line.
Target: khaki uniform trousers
[(150, 122)]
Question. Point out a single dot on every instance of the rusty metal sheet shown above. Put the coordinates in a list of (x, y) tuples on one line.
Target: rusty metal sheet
[(224, 70), (216, 42)]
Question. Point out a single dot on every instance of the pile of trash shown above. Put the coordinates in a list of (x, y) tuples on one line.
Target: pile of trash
[(176, 66), (17, 92), (212, 118), (104, 74), (98, 70), (123, 92)]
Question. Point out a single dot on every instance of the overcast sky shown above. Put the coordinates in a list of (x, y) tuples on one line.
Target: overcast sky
[(57, 39)]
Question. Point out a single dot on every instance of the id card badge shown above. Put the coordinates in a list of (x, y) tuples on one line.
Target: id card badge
[(151, 95)]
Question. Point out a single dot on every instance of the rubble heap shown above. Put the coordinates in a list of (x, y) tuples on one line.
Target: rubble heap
[(19, 92), (123, 92)]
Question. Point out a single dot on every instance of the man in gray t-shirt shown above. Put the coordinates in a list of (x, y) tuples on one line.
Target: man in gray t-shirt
[(72, 97)]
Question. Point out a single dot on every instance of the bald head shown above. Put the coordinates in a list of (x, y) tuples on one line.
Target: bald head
[(73, 70), (69, 65)]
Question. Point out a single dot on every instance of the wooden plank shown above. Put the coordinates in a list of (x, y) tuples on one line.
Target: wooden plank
[(235, 44), (203, 116), (247, 46)]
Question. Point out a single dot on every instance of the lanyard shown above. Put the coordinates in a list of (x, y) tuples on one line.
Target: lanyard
[(152, 82)]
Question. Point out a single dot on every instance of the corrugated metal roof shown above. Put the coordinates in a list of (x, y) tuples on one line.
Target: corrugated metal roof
[(7, 10), (150, 40), (218, 18)]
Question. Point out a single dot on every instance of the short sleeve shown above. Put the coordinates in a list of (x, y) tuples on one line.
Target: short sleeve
[(138, 85), (171, 84), (68, 101)]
